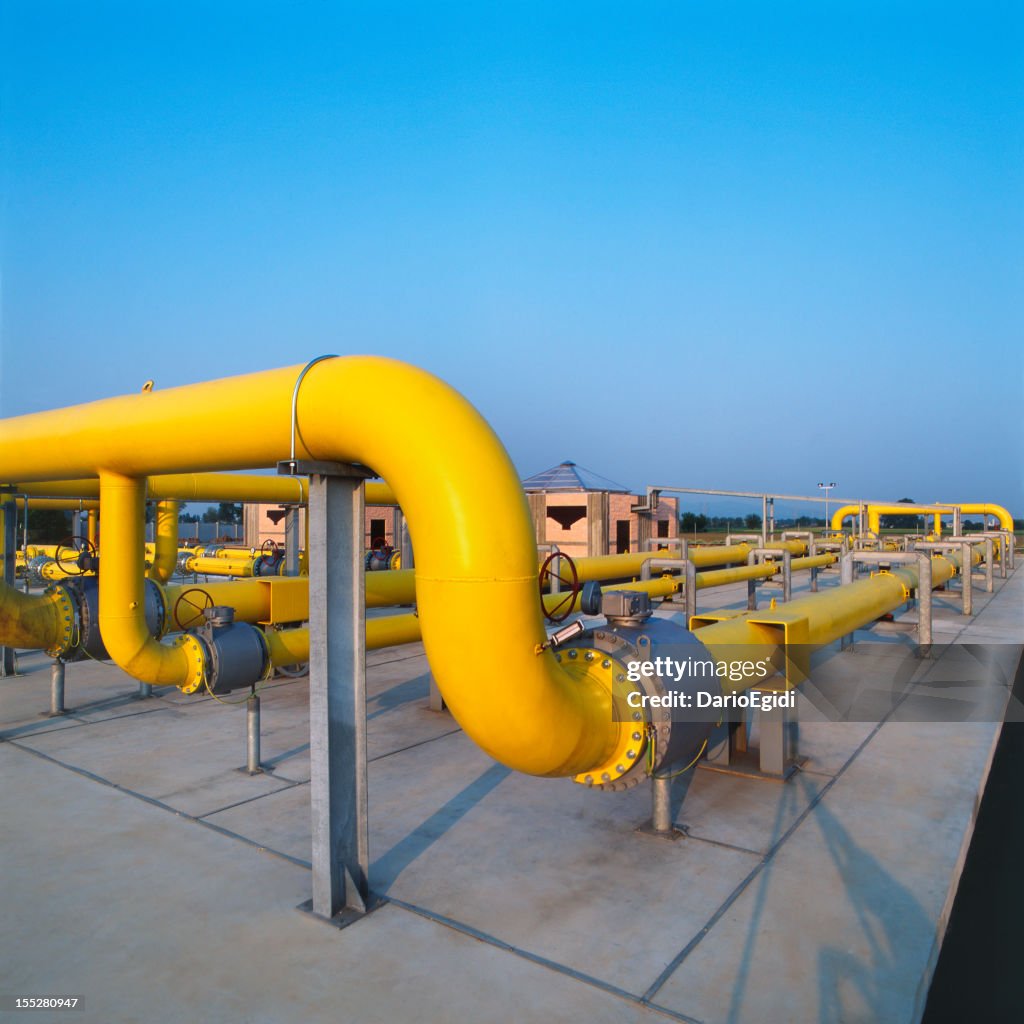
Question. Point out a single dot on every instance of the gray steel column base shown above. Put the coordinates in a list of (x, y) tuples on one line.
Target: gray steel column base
[(57, 708), (145, 690), (660, 825)]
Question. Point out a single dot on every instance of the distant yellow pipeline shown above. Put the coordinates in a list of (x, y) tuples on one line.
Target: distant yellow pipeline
[(819, 619), (937, 511)]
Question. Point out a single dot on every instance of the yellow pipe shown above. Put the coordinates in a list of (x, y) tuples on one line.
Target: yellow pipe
[(211, 565), (605, 567), (974, 508), (122, 595), (208, 487), (60, 504), (165, 550), (263, 600), (450, 474), (39, 622), (828, 616), (92, 531)]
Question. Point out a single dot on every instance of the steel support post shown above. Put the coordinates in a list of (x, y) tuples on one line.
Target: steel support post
[(661, 804), (57, 689), (408, 559), (10, 541), (989, 553), (337, 688), (846, 576), (779, 741), (291, 542), (924, 603), (956, 522), (145, 691), (966, 579), (252, 735)]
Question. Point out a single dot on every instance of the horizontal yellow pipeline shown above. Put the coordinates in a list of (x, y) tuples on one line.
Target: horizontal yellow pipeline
[(269, 599), (291, 646), (58, 504), (208, 487), (829, 615), (210, 565), (607, 567)]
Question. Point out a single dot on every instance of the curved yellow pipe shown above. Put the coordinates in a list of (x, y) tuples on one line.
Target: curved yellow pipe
[(122, 594), (982, 509), (165, 549), (875, 513), (451, 476), (841, 513)]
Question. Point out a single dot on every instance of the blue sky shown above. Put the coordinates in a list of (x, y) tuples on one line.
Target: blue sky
[(745, 246)]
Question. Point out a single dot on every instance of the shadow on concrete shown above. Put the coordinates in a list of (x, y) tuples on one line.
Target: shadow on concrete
[(386, 869), (396, 696)]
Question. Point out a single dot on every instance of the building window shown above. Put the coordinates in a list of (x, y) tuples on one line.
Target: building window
[(622, 537), (567, 515), (662, 527), (378, 533)]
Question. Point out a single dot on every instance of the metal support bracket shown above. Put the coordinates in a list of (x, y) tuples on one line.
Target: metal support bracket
[(775, 759), (760, 555), (689, 571), (924, 590)]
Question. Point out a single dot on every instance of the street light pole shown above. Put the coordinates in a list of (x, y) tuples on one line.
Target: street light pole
[(826, 488)]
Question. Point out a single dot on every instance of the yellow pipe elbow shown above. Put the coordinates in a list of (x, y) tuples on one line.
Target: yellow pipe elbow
[(165, 549), (122, 595)]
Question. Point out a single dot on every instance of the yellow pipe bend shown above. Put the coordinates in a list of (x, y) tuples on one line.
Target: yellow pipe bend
[(450, 474), (983, 509), (165, 549), (122, 595)]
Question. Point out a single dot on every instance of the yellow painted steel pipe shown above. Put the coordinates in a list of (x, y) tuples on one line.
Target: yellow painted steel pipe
[(975, 508), (122, 618), (59, 504), (875, 513), (450, 474), (291, 646), (210, 565), (244, 487), (818, 619), (165, 548), (271, 599), (38, 622), (606, 567)]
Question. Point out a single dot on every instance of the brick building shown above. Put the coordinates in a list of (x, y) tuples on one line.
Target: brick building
[(587, 514)]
